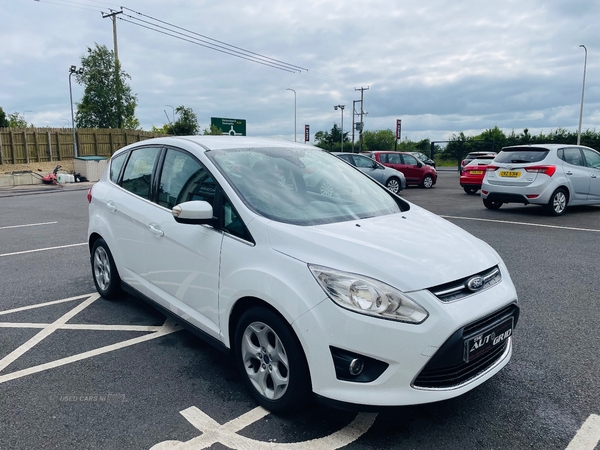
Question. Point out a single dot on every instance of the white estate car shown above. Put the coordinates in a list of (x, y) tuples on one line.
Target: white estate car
[(337, 295)]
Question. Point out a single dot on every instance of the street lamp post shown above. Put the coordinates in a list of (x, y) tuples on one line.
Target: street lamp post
[(582, 92), (342, 139), (173, 113), (290, 89), (73, 70)]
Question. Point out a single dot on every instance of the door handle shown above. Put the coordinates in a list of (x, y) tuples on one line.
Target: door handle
[(593, 176), (111, 206), (569, 173), (155, 230)]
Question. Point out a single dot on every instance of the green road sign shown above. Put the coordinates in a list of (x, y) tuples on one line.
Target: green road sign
[(231, 127)]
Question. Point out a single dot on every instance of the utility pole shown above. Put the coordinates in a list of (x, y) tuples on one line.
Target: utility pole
[(362, 112), (113, 16), (354, 113)]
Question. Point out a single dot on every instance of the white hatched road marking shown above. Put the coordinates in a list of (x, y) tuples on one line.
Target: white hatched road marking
[(588, 436), (213, 432), (47, 329)]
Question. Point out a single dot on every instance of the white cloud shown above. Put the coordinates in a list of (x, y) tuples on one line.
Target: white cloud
[(442, 67)]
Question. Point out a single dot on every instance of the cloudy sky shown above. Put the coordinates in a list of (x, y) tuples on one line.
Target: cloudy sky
[(440, 66)]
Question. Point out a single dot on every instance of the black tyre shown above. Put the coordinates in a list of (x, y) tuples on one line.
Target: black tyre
[(271, 361), (427, 182), (106, 277), (393, 184), (491, 205), (558, 202), (470, 190)]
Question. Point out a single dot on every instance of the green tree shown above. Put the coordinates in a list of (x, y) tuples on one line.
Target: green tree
[(331, 141), (378, 140), (186, 123), (213, 131), (107, 100), (3, 119), (16, 120)]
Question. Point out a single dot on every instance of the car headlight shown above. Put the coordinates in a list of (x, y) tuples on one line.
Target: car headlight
[(368, 296)]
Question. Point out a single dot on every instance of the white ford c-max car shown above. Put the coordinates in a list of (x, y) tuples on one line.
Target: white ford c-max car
[(330, 294)]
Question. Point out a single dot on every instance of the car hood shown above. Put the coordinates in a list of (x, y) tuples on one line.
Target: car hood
[(411, 250)]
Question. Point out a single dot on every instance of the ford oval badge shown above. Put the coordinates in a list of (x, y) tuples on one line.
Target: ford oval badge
[(475, 283)]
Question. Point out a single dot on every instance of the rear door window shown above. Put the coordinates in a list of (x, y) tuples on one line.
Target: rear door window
[(138, 171), (571, 156)]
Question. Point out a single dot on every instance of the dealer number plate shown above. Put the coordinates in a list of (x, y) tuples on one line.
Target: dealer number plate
[(488, 339), (509, 174)]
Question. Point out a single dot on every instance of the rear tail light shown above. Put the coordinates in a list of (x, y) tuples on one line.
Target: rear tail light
[(548, 170), (89, 195), (491, 168)]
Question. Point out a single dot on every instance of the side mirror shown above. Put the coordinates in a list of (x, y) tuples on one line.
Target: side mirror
[(193, 212), (419, 164)]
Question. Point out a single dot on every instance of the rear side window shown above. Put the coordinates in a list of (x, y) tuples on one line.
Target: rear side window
[(521, 155), (394, 158), (571, 156), (138, 171)]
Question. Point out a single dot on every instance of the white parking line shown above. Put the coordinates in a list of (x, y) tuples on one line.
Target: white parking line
[(588, 435), (43, 249), (27, 225), (522, 223)]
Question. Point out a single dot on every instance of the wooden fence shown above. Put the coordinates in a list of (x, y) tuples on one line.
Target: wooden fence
[(30, 145)]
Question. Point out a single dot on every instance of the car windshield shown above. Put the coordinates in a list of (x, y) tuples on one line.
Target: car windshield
[(303, 186), (521, 155)]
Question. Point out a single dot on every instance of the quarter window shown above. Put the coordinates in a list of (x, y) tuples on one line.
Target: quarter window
[(138, 171), (116, 165)]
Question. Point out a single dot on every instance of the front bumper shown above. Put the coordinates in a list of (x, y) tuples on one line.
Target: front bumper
[(412, 354)]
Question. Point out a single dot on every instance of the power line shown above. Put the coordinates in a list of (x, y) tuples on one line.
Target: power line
[(217, 43), (202, 45), (84, 6)]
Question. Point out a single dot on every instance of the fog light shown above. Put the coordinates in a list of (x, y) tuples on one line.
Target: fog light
[(356, 366)]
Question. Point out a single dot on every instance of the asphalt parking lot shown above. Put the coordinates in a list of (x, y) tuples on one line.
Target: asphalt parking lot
[(77, 371)]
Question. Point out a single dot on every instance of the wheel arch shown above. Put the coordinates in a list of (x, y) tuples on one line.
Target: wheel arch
[(240, 307)]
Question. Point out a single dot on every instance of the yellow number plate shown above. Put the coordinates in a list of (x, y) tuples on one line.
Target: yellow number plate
[(509, 174), (476, 172)]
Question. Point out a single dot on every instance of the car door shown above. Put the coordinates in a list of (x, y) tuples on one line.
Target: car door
[(183, 260), (576, 172), (127, 206), (411, 169), (592, 160), (369, 166)]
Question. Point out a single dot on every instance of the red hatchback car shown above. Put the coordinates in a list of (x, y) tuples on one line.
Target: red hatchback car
[(473, 173), (415, 172)]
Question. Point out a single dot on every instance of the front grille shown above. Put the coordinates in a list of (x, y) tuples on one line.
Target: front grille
[(458, 289), (447, 368), (455, 375)]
